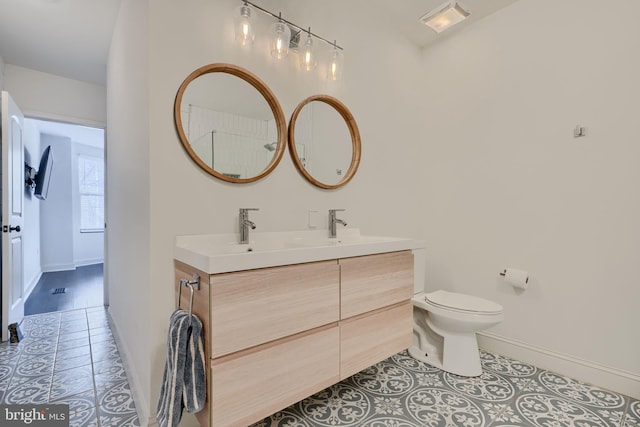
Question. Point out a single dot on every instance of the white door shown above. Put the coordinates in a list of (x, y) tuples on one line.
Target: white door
[(12, 213)]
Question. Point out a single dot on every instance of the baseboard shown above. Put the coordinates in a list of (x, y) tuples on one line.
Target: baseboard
[(58, 267), (67, 267), (142, 406), (32, 284), (623, 382), (93, 261)]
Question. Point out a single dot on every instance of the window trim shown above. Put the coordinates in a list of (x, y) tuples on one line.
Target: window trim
[(98, 160)]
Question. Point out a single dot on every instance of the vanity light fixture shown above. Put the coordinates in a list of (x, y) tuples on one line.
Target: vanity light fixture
[(307, 55), (445, 16), (282, 40), (334, 72), (281, 37), (243, 25)]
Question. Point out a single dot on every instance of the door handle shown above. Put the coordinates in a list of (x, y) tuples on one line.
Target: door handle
[(8, 228)]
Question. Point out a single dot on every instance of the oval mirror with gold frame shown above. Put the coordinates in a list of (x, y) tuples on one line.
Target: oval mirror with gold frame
[(230, 123), (324, 141)]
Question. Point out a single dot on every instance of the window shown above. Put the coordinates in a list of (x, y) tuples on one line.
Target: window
[(91, 183)]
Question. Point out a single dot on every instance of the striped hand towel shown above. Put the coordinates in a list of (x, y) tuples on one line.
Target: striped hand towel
[(184, 378)]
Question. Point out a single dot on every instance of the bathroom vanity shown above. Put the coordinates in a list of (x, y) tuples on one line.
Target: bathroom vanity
[(292, 313)]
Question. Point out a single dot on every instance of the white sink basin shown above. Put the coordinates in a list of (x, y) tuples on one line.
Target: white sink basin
[(221, 253)]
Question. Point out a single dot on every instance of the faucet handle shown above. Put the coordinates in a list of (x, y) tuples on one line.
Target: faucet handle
[(337, 210), (248, 209)]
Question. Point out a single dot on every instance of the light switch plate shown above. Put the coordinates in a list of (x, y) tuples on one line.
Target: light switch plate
[(314, 218)]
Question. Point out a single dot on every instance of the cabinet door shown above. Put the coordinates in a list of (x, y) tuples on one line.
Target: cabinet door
[(374, 281), (370, 338), (250, 385), (253, 307)]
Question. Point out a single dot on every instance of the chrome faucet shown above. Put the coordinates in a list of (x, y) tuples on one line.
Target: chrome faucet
[(245, 224), (333, 221)]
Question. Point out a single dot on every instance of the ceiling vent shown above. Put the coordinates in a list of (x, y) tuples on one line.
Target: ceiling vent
[(445, 16)]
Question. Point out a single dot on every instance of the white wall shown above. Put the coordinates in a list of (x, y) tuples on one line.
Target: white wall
[(1, 73), (128, 266), (507, 185), (46, 96), (156, 192), (56, 212), (62, 245), (510, 188), (470, 148)]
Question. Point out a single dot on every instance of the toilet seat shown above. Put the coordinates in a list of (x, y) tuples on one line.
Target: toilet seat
[(462, 303)]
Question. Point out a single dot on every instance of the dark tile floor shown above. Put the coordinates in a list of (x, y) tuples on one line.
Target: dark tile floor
[(84, 288), (69, 358)]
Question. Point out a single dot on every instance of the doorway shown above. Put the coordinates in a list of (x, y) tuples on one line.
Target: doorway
[(64, 239)]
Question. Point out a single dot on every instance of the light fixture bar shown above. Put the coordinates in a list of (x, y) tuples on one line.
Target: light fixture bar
[(280, 18)]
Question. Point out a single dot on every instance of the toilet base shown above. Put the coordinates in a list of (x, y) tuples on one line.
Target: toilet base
[(460, 355), (446, 337), (429, 358), (456, 353)]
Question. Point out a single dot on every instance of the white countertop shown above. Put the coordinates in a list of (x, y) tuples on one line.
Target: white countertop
[(221, 253)]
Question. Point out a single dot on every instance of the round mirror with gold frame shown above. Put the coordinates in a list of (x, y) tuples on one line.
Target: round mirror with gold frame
[(230, 123), (324, 141)]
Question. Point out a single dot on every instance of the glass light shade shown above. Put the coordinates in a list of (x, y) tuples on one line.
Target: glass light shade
[(334, 72), (281, 35), (244, 26), (445, 16), (307, 54)]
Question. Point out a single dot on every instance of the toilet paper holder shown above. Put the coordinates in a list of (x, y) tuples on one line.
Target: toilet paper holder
[(516, 278)]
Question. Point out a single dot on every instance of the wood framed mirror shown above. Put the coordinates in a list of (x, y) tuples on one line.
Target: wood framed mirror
[(230, 123), (324, 141)]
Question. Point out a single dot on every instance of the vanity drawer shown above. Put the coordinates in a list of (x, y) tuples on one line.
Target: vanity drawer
[(367, 339), (253, 307), (374, 281), (252, 384)]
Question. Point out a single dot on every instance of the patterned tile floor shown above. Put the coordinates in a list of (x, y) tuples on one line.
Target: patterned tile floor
[(70, 358), (403, 392)]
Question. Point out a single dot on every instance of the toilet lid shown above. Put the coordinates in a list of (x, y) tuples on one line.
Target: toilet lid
[(462, 302)]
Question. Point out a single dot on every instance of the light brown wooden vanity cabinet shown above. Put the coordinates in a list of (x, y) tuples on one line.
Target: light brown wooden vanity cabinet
[(376, 309), (253, 307), (277, 335)]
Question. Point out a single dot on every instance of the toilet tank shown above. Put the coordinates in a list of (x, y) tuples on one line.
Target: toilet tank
[(419, 270)]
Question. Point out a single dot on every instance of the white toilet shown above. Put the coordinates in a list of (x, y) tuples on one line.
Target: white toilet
[(445, 326)]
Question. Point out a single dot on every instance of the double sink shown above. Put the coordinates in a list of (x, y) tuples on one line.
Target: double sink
[(221, 253)]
